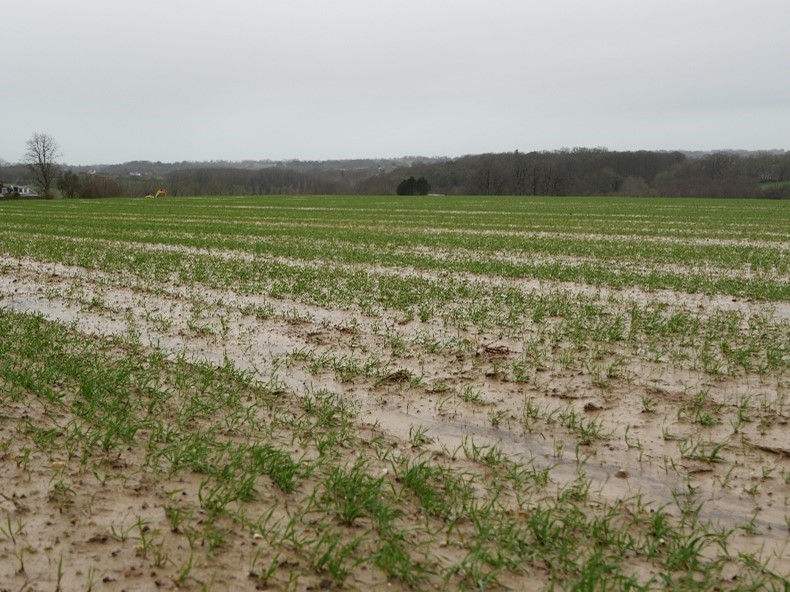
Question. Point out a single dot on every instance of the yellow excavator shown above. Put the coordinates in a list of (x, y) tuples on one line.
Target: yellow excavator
[(159, 193)]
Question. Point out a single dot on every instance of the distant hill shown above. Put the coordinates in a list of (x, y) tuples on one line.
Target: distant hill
[(745, 153), (577, 171), (160, 169)]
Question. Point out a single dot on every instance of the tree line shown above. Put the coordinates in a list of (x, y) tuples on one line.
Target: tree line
[(598, 171), (578, 171)]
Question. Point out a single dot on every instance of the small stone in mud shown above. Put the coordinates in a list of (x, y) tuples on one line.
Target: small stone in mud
[(621, 474), (493, 350), (397, 376)]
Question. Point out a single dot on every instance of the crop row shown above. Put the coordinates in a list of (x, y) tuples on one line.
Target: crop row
[(334, 502), (594, 272), (558, 326), (620, 216), (236, 228)]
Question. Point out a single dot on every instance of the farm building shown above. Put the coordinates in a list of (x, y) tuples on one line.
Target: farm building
[(20, 190)]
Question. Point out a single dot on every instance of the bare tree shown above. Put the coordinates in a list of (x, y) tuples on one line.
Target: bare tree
[(41, 154)]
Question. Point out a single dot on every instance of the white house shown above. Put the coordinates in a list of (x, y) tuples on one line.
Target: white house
[(21, 190)]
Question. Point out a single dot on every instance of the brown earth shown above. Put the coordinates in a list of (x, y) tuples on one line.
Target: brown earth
[(462, 387)]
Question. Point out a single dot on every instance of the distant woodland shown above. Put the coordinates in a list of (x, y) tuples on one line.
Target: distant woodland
[(578, 171)]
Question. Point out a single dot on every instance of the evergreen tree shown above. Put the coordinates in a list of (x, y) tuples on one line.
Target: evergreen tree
[(407, 186), (412, 186), (422, 187)]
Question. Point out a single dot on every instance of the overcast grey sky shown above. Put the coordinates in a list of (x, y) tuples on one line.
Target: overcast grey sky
[(171, 80)]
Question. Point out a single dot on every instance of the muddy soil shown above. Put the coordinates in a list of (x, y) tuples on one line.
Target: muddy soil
[(460, 388)]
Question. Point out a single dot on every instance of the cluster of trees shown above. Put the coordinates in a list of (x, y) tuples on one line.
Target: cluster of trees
[(70, 185), (40, 168), (235, 181), (597, 171), (573, 172), (412, 186), (580, 171)]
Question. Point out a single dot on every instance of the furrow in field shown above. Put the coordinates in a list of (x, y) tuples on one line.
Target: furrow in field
[(779, 310), (466, 388), (430, 263), (520, 230), (657, 417)]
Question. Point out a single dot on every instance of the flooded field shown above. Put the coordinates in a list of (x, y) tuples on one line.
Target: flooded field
[(395, 393)]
